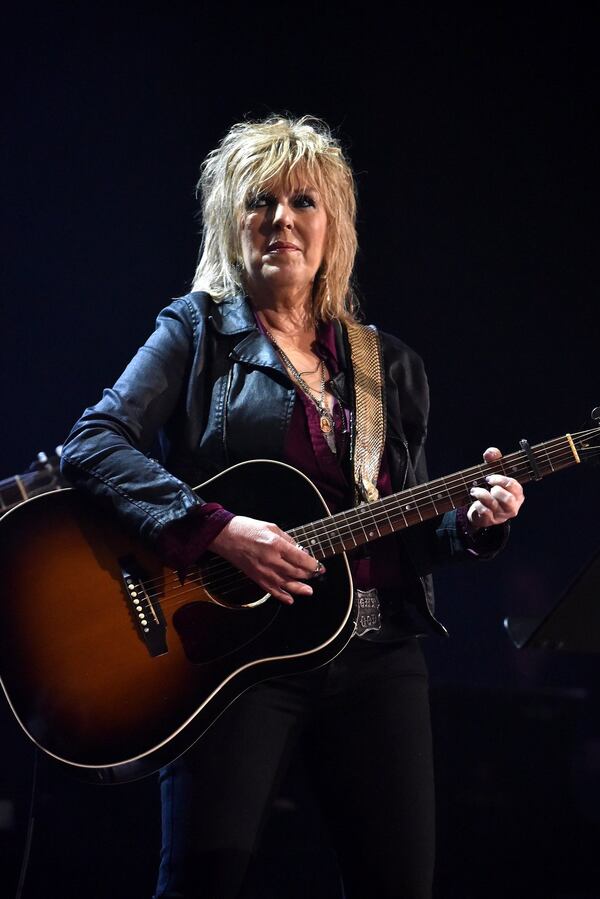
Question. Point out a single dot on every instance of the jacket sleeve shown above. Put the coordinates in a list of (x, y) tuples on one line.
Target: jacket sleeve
[(106, 452)]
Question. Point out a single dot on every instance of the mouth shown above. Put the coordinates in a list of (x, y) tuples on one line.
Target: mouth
[(281, 246)]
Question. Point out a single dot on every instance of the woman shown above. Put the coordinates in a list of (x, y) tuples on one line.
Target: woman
[(256, 363)]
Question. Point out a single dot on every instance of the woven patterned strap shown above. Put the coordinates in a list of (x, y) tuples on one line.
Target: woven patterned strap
[(369, 439)]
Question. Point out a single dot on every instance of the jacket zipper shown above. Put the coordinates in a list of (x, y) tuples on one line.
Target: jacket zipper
[(225, 410)]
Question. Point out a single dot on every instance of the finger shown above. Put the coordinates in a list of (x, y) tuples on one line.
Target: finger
[(492, 454), (485, 499), (479, 515), (305, 564), (513, 486), (316, 569), (284, 571), (287, 546), (493, 507), (503, 480), (283, 591), (503, 497), (281, 595), (507, 491)]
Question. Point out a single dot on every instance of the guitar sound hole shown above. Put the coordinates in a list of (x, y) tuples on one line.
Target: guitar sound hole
[(209, 632)]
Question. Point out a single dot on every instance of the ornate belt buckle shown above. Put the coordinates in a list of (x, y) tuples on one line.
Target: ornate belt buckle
[(367, 612)]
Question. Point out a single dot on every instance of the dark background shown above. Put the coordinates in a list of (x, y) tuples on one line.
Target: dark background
[(474, 140)]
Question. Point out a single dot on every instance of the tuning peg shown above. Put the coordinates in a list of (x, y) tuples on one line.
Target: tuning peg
[(596, 413), (42, 458)]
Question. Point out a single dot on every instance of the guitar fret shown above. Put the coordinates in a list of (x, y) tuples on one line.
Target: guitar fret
[(21, 487), (307, 538), (433, 501), (389, 520), (361, 518), (340, 542), (370, 514), (442, 500), (545, 449), (401, 510), (450, 496), (513, 465), (350, 532), (300, 536), (11, 495), (419, 511), (370, 534)]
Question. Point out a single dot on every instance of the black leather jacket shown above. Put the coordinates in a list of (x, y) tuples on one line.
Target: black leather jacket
[(211, 389)]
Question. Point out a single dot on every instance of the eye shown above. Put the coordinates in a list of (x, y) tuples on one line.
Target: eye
[(260, 200), (304, 200)]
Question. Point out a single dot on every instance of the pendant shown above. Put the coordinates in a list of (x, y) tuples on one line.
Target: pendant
[(327, 431)]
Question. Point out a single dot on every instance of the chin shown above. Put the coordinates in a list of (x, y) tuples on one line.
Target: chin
[(285, 276)]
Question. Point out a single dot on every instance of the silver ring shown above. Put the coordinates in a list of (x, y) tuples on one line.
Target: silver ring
[(318, 569)]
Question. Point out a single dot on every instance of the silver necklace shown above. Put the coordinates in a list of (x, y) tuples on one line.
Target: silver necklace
[(325, 417), (311, 371)]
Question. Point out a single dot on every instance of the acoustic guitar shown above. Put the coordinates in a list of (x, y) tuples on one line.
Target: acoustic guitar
[(114, 665)]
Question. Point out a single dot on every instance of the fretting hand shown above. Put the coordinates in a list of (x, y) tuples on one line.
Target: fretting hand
[(498, 504)]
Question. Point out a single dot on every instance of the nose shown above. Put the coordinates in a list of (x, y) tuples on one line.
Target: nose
[(283, 216)]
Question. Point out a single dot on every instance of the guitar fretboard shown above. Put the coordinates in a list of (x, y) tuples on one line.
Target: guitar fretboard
[(346, 530)]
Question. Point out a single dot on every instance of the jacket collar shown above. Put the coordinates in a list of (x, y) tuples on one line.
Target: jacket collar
[(233, 316)]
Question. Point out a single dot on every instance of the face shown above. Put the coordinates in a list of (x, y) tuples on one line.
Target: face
[(283, 235)]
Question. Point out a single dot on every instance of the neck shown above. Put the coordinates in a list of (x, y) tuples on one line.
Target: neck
[(292, 322), (287, 309)]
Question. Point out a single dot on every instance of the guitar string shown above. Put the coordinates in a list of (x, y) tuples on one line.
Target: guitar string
[(352, 516), (357, 514), (191, 585), (238, 576)]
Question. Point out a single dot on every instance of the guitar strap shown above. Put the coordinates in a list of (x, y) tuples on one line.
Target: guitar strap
[(369, 440), (370, 423)]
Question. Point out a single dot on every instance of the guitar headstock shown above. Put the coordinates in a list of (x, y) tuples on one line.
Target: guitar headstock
[(43, 462), (588, 442)]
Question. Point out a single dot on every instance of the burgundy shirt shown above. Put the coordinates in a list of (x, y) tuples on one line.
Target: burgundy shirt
[(305, 447)]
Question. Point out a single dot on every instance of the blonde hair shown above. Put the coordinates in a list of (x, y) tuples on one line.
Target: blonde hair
[(253, 156)]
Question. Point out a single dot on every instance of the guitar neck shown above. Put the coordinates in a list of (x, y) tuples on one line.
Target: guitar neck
[(362, 524)]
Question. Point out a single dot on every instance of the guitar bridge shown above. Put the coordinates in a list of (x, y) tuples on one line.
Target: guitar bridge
[(144, 609)]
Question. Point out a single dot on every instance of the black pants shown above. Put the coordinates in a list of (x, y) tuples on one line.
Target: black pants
[(363, 721)]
